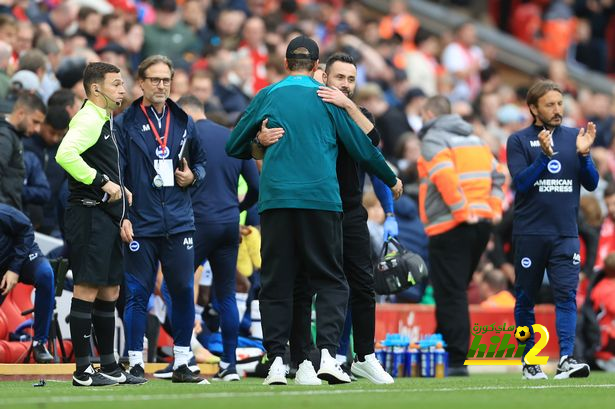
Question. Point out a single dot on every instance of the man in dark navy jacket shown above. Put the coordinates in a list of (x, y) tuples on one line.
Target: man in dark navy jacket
[(21, 260), (216, 213), (548, 163), (162, 161)]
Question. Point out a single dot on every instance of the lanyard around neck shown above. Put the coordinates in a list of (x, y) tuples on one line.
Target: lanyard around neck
[(161, 141)]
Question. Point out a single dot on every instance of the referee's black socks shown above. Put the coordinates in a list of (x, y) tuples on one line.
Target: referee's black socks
[(103, 319), (81, 331)]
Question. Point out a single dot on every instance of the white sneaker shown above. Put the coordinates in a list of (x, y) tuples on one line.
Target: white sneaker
[(277, 373), (306, 374), (330, 369), (568, 367), (371, 370), (533, 372)]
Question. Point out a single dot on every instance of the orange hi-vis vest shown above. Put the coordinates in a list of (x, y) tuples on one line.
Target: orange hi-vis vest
[(458, 176)]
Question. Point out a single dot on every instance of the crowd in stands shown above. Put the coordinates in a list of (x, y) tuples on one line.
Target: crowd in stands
[(225, 51)]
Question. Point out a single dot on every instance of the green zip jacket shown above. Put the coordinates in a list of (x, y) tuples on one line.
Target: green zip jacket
[(299, 170)]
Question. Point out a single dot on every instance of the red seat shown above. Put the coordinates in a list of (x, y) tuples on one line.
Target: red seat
[(4, 326), (12, 314), (21, 296), (17, 351), (4, 352)]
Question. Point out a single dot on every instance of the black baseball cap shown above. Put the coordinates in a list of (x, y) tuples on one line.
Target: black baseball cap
[(302, 42)]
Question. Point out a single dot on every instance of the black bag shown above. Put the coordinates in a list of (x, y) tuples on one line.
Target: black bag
[(399, 269)]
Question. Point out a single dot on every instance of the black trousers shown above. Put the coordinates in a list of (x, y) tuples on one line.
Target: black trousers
[(360, 275), (306, 244), (453, 257)]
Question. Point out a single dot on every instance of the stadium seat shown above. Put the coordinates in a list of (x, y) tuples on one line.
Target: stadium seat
[(12, 314), (4, 327), (4, 352), (21, 296), (16, 351)]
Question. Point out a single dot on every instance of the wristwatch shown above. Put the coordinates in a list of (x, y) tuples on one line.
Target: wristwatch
[(104, 180)]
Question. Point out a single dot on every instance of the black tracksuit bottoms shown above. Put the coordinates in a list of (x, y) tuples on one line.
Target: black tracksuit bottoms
[(301, 244), (453, 256)]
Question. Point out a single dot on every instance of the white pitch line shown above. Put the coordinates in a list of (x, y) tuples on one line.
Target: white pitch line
[(224, 395)]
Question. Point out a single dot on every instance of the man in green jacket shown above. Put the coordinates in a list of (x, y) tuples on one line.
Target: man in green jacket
[(300, 204)]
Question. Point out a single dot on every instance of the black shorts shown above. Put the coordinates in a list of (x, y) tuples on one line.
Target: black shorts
[(94, 246)]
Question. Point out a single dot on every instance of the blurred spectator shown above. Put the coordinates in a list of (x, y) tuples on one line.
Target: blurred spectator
[(194, 15), (202, 87), (25, 119), (590, 220), (89, 23), (60, 18), (112, 30), (390, 121), (557, 29), (413, 103), (494, 290), (24, 80), (36, 62), (180, 85), (25, 37), (421, 64), (603, 300), (51, 47), (595, 17), (606, 244), (70, 75), (254, 43), (275, 70), (66, 99), (407, 153), (8, 32), (464, 60), (5, 56), (602, 116), (228, 27), (44, 146), (169, 35), (36, 191), (399, 21)]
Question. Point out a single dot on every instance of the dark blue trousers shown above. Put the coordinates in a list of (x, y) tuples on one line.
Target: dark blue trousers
[(559, 256), (175, 254), (219, 243)]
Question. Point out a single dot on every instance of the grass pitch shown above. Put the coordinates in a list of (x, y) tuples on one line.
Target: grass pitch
[(484, 390)]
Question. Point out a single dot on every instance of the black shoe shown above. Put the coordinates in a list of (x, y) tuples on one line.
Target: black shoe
[(89, 377), (123, 377), (227, 375), (568, 367), (346, 368), (167, 372), (137, 371), (458, 371), (183, 374), (41, 355)]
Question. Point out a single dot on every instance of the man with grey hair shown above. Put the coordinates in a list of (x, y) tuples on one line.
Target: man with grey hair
[(162, 162)]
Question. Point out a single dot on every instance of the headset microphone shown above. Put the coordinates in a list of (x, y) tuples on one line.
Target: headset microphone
[(108, 98)]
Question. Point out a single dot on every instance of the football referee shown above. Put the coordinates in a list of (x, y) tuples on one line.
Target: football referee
[(96, 206)]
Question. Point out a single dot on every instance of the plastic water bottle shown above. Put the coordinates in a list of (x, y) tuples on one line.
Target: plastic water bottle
[(427, 366), (412, 366), (440, 358)]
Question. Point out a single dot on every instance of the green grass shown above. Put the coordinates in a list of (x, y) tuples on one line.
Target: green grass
[(485, 390)]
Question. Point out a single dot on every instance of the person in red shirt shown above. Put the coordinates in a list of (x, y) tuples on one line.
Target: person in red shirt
[(603, 300), (606, 244)]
